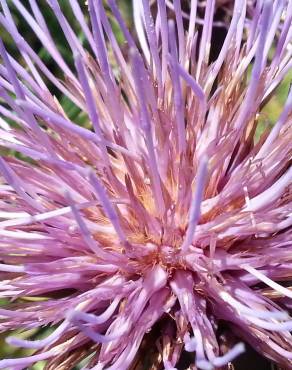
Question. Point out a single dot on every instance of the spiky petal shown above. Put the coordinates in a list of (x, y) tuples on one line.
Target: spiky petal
[(163, 217)]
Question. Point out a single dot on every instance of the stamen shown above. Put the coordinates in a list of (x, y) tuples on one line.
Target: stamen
[(37, 344), (112, 4), (139, 76), (177, 91), (277, 127), (107, 206), (273, 25), (237, 350), (100, 44), (204, 365), (268, 281), (168, 366), (204, 49), (138, 21), (283, 352), (101, 338), (11, 268), (69, 34), (196, 204), (91, 105), (23, 235), (27, 219), (271, 194), (198, 91), (80, 18), (22, 189), (150, 31), (273, 326), (284, 39), (90, 241), (192, 22), (164, 38), (251, 311), (180, 30), (26, 361), (94, 319), (190, 343), (239, 8), (258, 66), (64, 123)]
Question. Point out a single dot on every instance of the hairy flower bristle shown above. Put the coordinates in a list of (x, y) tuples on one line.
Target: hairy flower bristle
[(163, 217)]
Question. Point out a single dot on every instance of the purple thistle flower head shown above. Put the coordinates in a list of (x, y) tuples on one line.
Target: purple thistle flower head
[(163, 217)]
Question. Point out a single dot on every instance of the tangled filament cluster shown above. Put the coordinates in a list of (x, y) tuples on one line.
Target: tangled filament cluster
[(164, 217)]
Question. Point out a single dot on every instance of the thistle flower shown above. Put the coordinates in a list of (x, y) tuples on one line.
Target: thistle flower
[(163, 217)]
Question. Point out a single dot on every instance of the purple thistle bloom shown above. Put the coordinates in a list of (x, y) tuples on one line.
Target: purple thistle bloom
[(165, 217)]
